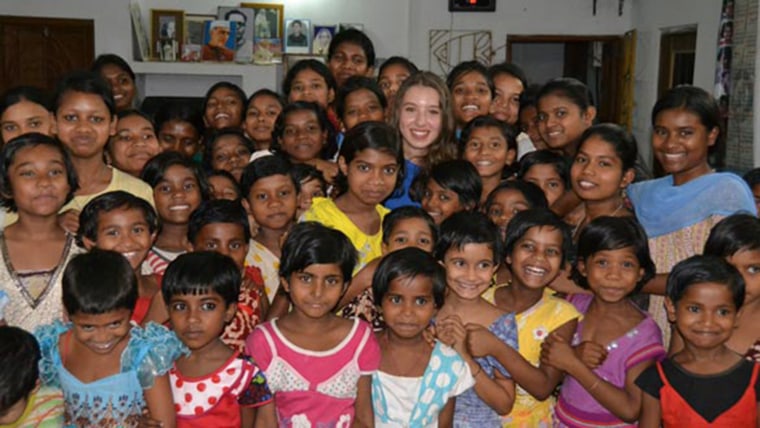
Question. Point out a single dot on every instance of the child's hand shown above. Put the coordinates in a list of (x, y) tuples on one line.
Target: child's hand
[(556, 352), (147, 422), (591, 354), (328, 169), (452, 332), (480, 341), (428, 334), (69, 220)]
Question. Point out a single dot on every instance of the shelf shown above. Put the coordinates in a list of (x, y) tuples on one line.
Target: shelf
[(197, 68)]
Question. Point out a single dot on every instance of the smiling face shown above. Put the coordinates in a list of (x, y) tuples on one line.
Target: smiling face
[(316, 290), (391, 79), (125, 231), (308, 85), (408, 306), (536, 257), (179, 136), (103, 333), (469, 270), (348, 60), (471, 97), (506, 100), (371, 175), (361, 106), (230, 154), (224, 109), (84, 124), (439, 202), (487, 150), (597, 171), (223, 238), (561, 122), (122, 85), (705, 316), (612, 274), (529, 125), (259, 120), (506, 203), (548, 179), (133, 145), (199, 319), (25, 117), (409, 232), (38, 181), (177, 195), (272, 201), (302, 136), (680, 142), (420, 119)]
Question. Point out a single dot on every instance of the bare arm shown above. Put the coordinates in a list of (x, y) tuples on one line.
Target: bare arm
[(360, 282), (265, 416), (280, 305), (247, 416), (446, 416), (364, 416), (651, 414), (157, 311), (160, 402), (656, 285), (566, 203)]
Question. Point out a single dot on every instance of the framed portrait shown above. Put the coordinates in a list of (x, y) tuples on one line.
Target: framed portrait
[(193, 40), (322, 36), (219, 41), (243, 18), (267, 20), (289, 60), (167, 28), (297, 36)]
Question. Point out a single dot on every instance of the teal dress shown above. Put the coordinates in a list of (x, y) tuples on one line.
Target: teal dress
[(117, 400)]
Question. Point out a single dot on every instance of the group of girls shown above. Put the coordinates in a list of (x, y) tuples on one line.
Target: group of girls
[(406, 251)]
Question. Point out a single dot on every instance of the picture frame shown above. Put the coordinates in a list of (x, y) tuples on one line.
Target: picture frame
[(219, 41), (268, 19), (243, 18), (193, 39), (297, 36), (167, 32), (143, 43), (321, 37)]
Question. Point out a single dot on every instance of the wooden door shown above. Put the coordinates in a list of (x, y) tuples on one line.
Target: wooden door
[(38, 51)]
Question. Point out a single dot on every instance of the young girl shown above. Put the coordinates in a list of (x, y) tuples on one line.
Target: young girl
[(508, 199), (509, 82), (536, 246), (179, 128), (706, 383), (121, 222), (302, 133), (415, 384), (547, 170), (110, 371), (737, 239), (490, 146), (309, 80), (359, 100), (222, 185), (615, 341), (304, 352), (600, 172), (565, 110), (448, 188), (678, 210), (423, 116), (312, 184), (223, 106), (391, 74), (263, 108), (178, 188), (227, 149), (119, 75), (528, 118), (213, 385), (133, 144), (85, 116), (37, 179), (471, 92), (470, 249), (24, 109)]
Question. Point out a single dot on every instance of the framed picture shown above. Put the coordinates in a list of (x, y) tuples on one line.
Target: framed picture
[(143, 43), (320, 42), (243, 19), (167, 28), (289, 60), (267, 20), (267, 51), (219, 41), (297, 36), (193, 40)]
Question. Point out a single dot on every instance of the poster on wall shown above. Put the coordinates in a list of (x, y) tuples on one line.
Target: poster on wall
[(243, 18)]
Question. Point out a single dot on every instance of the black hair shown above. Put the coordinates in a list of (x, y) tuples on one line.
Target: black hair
[(459, 176), (266, 166), (354, 37), (545, 157), (622, 141), (406, 212), (20, 355), (699, 269), (228, 176), (614, 233), (311, 243), (694, 100), (182, 112), (410, 262), (18, 94), (202, 272), (533, 194), (112, 59), (511, 69), (568, 87), (226, 85), (107, 202), (397, 60), (468, 227), (752, 177), (353, 84), (466, 67), (523, 221), (98, 282), (529, 96), (303, 172), (268, 93), (155, 169), (733, 234), (370, 136), (135, 112), (218, 211), (87, 82), (307, 64), (296, 21), (214, 136), (487, 121), (31, 140), (330, 146)]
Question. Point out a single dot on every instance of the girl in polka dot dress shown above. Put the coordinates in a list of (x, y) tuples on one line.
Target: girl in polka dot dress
[(213, 386)]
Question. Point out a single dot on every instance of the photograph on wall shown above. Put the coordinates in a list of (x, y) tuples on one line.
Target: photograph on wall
[(143, 43), (320, 42), (297, 36), (218, 41), (267, 51), (166, 32), (243, 18), (267, 20), (194, 32)]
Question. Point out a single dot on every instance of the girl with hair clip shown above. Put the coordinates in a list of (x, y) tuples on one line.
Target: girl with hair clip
[(415, 385), (111, 371), (678, 210), (25, 109), (223, 106), (615, 341), (119, 75), (317, 364), (37, 179), (421, 112), (263, 108)]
